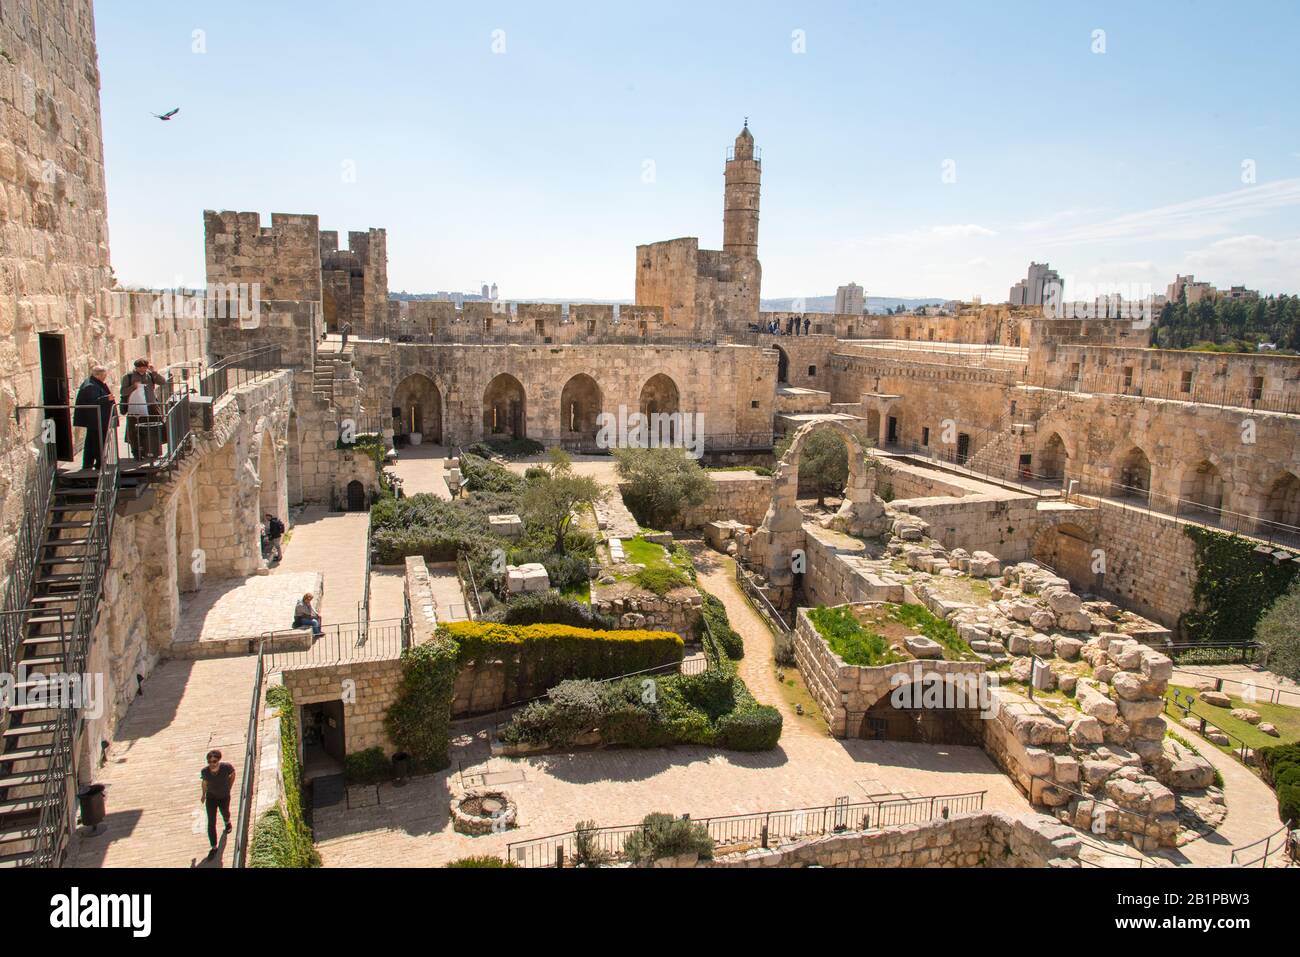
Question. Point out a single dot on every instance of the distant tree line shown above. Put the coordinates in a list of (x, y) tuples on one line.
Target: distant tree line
[(1230, 325)]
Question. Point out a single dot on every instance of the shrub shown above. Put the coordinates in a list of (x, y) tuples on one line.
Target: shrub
[(661, 483), (848, 639), (429, 526), (551, 608), (661, 579), (1282, 763), (540, 656), (754, 729), (564, 571), (417, 721), (370, 766), (281, 837), (508, 448), (663, 835), (480, 474), (586, 851), (715, 614), (1233, 587), (485, 860)]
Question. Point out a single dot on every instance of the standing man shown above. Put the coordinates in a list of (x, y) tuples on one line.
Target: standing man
[(347, 331), (274, 535), (93, 407), (144, 421), (216, 781), (154, 384)]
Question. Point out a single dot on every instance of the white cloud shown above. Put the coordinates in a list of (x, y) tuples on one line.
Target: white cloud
[(1269, 265), (1190, 220), (931, 236)]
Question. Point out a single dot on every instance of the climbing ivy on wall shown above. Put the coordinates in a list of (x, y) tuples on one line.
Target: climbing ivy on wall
[(1234, 586), (282, 837)]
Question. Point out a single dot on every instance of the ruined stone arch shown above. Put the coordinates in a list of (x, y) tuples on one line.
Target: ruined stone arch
[(1201, 486), (581, 402), (1132, 473), (862, 513), (419, 408), (1066, 545), (1282, 504), (1052, 459), (505, 408)]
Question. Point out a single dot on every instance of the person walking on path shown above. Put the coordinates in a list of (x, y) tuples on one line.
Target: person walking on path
[(274, 538), (94, 406), (217, 779)]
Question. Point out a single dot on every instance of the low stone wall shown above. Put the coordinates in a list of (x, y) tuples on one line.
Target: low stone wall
[(837, 572), (909, 481), (1001, 524), (365, 701), (841, 688), (982, 839), (740, 496), (653, 613)]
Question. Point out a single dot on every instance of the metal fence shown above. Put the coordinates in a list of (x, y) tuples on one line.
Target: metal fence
[(341, 643), (1240, 749), (1213, 395), (250, 763), (764, 606), (1247, 690), (764, 829), (239, 369), (1274, 847)]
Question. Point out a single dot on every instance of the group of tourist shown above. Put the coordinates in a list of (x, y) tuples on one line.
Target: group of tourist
[(144, 392), (794, 326)]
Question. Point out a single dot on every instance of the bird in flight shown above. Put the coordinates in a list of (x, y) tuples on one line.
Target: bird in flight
[(168, 115)]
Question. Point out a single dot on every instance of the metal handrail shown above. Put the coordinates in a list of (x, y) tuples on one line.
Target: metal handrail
[(28, 539), (217, 381), (762, 827), (1262, 860), (250, 764)]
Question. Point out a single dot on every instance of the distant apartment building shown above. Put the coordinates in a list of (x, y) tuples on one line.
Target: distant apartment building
[(849, 300), (1032, 290)]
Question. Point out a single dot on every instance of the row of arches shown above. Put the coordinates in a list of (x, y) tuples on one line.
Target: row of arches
[(1201, 485), (418, 406)]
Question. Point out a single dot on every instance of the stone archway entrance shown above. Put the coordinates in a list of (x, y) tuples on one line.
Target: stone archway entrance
[(505, 412), (580, 407), (921, 725), (1202, 487), (862, 512), (417, 404), (1053, 459), (782, 367), (1133, 475), (1067, 548)]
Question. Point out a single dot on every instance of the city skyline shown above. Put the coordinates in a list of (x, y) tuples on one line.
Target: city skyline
[(544, 164)]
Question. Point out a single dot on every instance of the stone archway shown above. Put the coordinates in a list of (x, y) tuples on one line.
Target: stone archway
[(271, 491), (419, 408), (1283, 502), (190, 563), (1202, 487), (782, 366), (505, 412), (659, 395), (1066, 547), (1053, 458), (1133, 474), (580, 407), (862, 512)]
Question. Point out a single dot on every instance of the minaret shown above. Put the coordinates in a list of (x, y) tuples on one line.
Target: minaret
[(740, 205)]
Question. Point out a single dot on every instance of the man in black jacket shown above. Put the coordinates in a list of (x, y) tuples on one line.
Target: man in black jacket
[(94, 406)]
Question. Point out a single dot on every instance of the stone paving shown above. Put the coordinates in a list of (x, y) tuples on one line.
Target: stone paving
[(334, 544), (242, 609), (154, 816), (422, 469), (409, 826)]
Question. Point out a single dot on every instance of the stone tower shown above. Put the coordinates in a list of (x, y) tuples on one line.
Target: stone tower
[(740, 207)]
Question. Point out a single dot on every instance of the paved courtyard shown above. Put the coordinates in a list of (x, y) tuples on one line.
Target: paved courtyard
[(409, 826), (152, 774)]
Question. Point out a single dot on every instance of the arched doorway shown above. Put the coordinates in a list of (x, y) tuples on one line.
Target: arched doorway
[(660, 407), (782, 367), (933, 709), (1283, 502), (1202, 487), (1133, 478), (504, 408), (1067, 549), (580, 406), (268, 476), (356, 496), (294, 470), (417, 405), (1053, 459)]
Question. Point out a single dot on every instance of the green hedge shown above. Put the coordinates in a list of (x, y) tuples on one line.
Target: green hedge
[(431, 527), (1282, 763), (540, 656), (1234, 586), (418, 721), (281, 837), (715, 613)]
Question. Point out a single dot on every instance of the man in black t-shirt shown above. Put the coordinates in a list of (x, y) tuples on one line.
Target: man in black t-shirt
[(216, 782)]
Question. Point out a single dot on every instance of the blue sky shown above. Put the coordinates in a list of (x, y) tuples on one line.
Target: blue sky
[(528, 167)]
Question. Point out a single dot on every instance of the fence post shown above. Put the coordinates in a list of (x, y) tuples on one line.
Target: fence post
[(559, 856)]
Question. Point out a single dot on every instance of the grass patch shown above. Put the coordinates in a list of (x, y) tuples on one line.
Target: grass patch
[(578, 591), (920, 618), (1283, 717), (850, 640)]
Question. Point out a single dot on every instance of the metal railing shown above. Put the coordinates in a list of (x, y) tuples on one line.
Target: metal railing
[(1221, 396), (762, 829), (363, 607), (468, 585), (1241, 855), (340, 643), (1249, 691), (250, 763), (28, 539), (239, 369), (1242, 751), (762, 603)]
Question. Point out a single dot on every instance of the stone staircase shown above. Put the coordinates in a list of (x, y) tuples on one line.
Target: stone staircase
[(1012, 436)]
